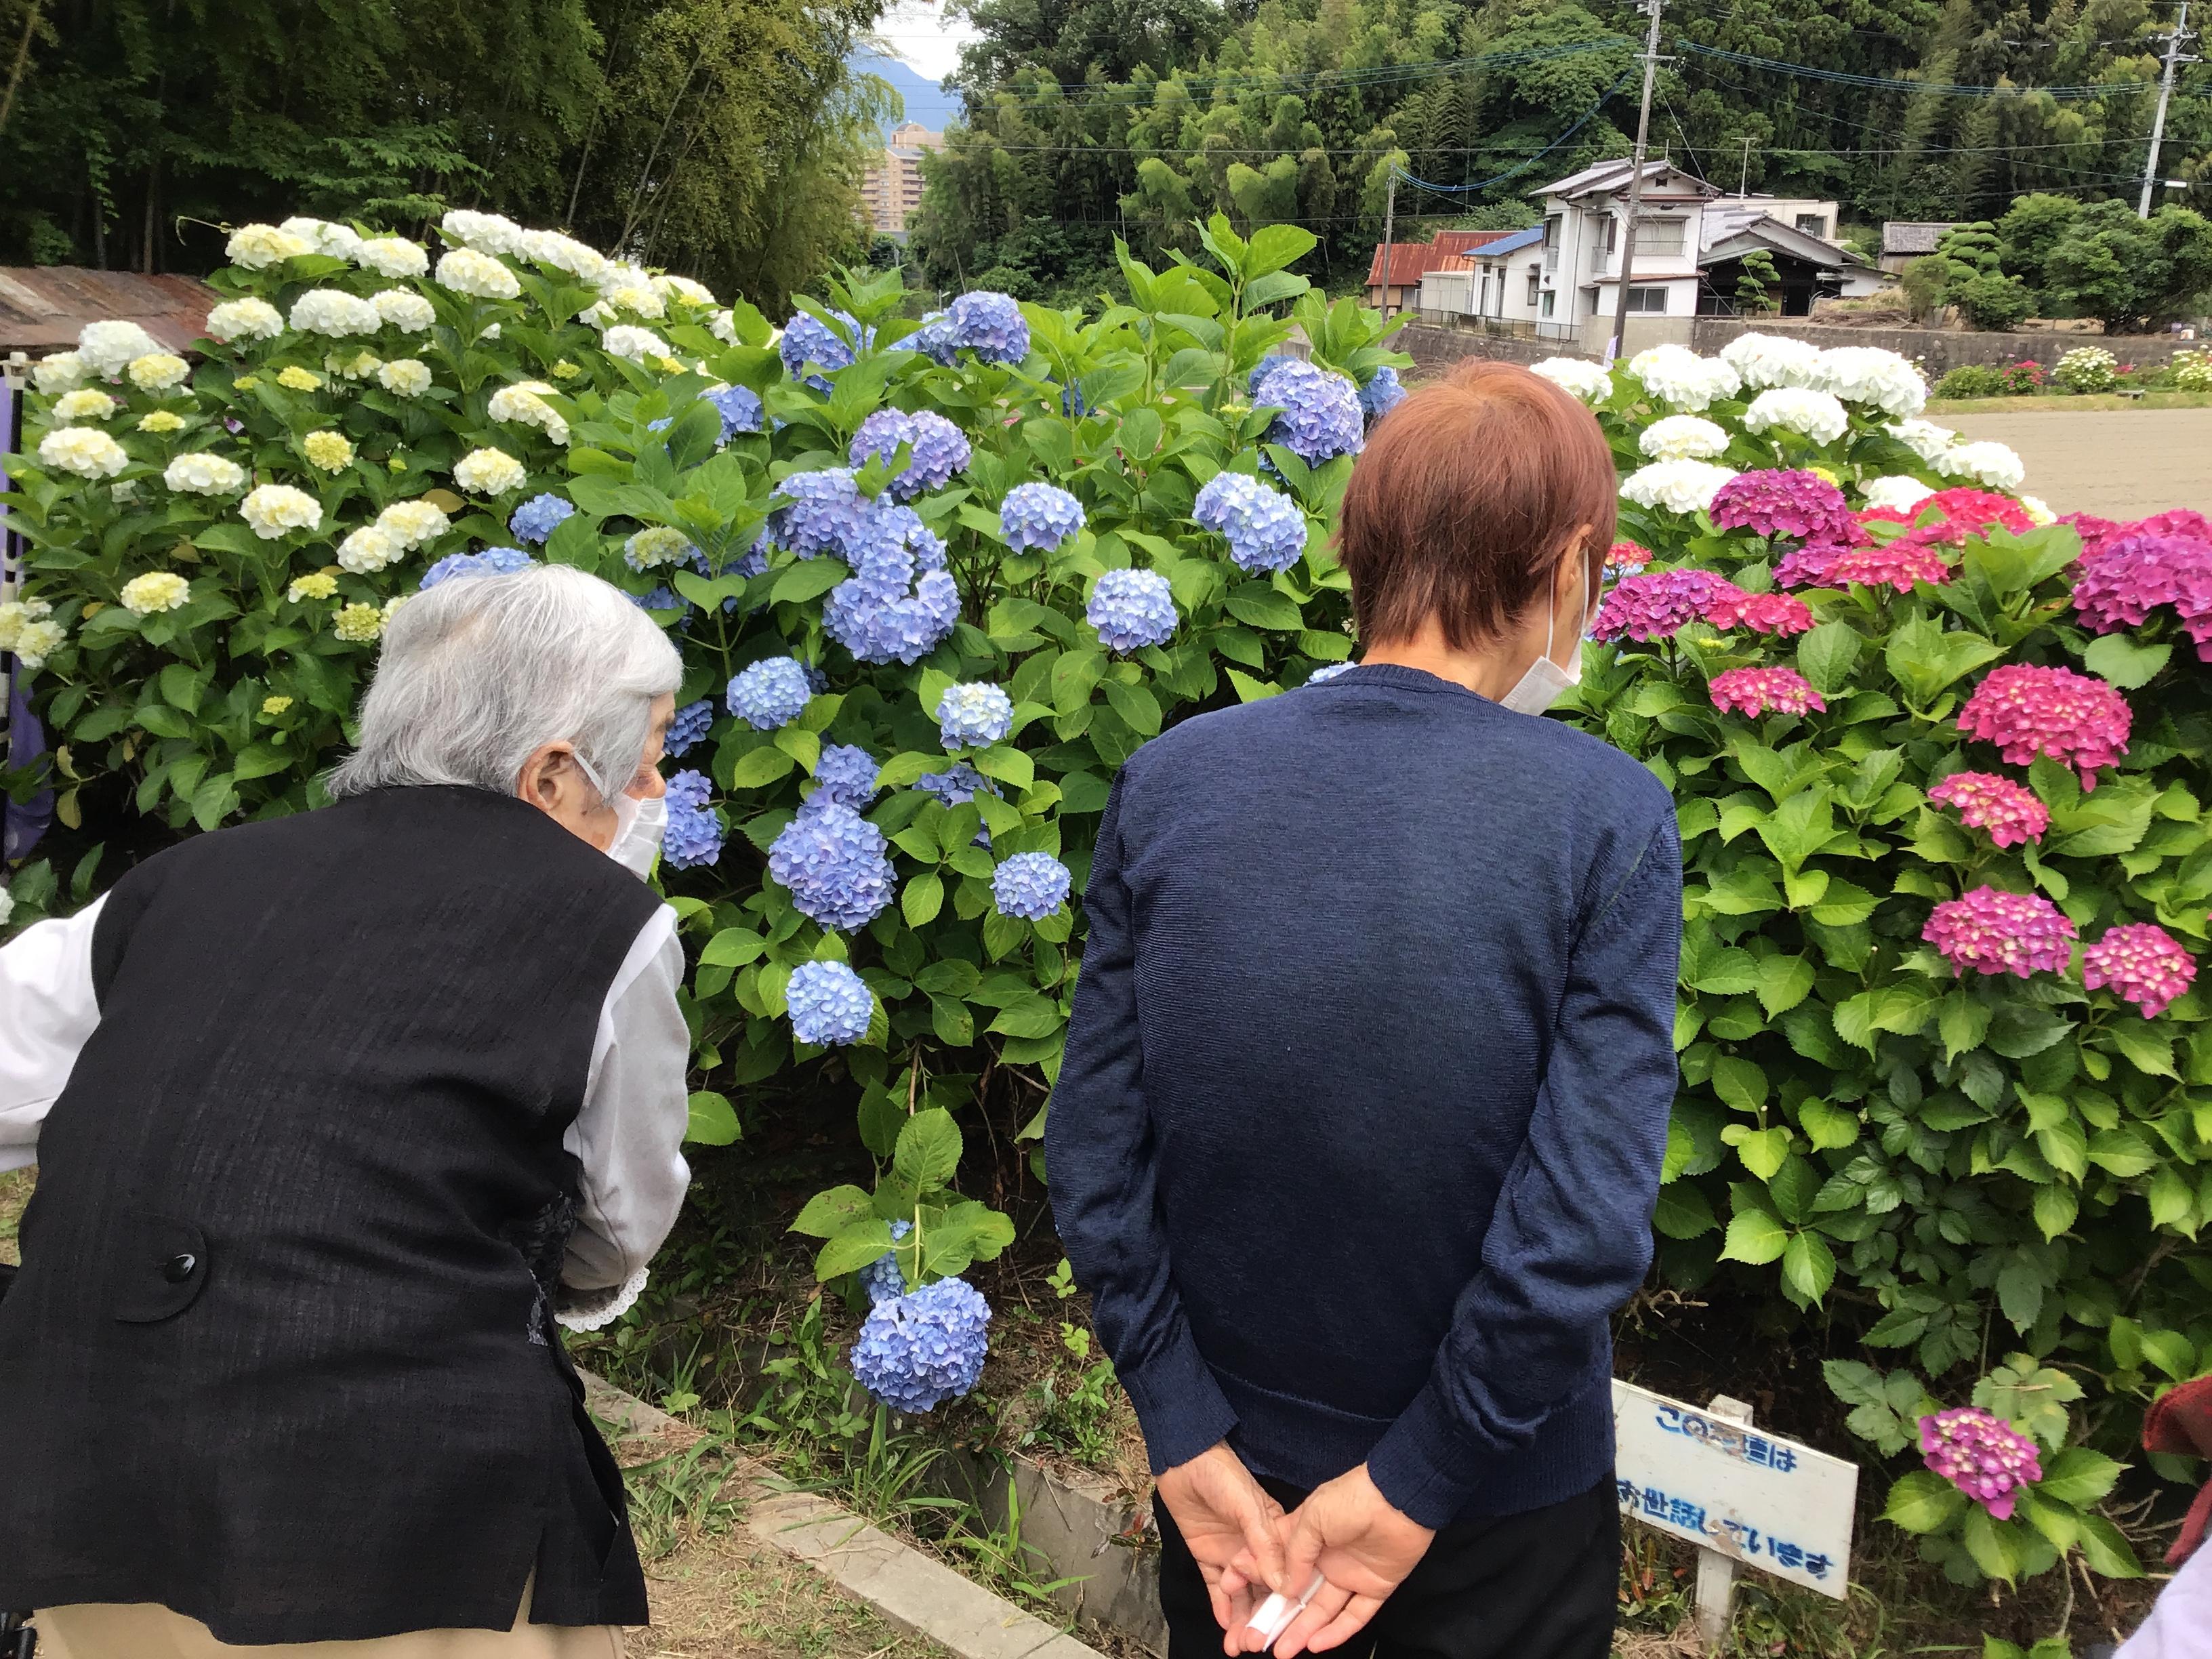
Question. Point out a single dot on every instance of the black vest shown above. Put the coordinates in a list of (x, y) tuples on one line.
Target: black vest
[(279, 1356)]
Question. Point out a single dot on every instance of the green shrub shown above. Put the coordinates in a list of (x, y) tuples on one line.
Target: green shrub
[(1970, 380)]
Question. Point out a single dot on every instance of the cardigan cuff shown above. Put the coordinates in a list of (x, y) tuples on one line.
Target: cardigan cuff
[(589, 1310), (1179, 1404), (1423, 1465)]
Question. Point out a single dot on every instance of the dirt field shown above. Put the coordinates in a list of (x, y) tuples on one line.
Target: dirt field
[(2118, 464)]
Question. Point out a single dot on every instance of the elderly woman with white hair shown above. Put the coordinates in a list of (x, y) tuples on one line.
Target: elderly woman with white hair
[(337, 1116)]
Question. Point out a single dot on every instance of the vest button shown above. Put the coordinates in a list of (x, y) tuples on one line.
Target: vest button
[(178, 1267)]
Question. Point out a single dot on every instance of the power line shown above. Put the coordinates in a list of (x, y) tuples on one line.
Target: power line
[(1890, 84), (1467, 190)]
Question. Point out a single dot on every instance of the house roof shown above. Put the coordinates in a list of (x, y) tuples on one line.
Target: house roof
[(1511, 244), (1411, 261), (1913, 235), (42, 307), (1729, 233), (1608, 177)]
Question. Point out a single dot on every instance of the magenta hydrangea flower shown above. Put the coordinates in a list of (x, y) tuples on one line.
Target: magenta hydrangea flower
[(2125, 576), (2142, 962), (1773, 690), (1778, 502), (1770, 613), (1654, 606), (1898, 566), (1991, 931), (1982, 1456), (2075, 718), (1808, 566), (2008, 811)]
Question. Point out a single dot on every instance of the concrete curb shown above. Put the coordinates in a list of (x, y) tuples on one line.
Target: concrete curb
[(906, 1587)]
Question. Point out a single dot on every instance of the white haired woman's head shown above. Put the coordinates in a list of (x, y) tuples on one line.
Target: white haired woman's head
[(480, 674)]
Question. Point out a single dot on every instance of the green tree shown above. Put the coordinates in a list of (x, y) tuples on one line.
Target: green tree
[(2132, 274), (1757, 283), (1975, 279)]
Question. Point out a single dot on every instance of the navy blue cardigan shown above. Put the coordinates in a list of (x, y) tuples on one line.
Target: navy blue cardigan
[(1360, 1130)]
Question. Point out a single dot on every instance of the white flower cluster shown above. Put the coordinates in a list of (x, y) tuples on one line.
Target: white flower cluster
[(84, 450), (27, 634), (245, 319), (107, 349), (1868, 374), (683, 289), (1683, 437), (404, 309), (524, 405), (85, 404), (392, 256), (1679, 378), (633, 344), (550, 247), (259, 246), (484, 233), (489, 473), (414, 523), (1586, 381), (322, 236), (1899, 492), (334, 311), (1683, 486), (404, 377), (2038, 510), (274, 509), (1815, 415), (639, 300), (466, 270), (369, 549), (155, 591), (1771, 360), (159, 371), (63, 371), (1930, 441), (202, 474), (1993, 466)]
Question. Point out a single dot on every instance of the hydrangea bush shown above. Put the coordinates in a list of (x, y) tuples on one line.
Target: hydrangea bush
[(1947, 1080)]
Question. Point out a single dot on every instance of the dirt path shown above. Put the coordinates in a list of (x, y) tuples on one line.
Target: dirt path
[(2121, 464)]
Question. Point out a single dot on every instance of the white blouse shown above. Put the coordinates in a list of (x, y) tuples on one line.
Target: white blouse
[(627, 1138)]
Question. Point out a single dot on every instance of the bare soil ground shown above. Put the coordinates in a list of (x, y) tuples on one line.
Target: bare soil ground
[(2118, 463)]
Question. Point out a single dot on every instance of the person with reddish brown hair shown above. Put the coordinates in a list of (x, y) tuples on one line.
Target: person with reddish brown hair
[(1360, 1130)]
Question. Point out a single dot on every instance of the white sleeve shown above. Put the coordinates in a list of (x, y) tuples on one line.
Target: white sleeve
[(629, 1135), (46, 988)]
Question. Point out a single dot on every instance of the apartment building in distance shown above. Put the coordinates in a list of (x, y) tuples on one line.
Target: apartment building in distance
[(891, 188)]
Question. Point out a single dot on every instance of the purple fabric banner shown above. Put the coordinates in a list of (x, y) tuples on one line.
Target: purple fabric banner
[(22, 826)]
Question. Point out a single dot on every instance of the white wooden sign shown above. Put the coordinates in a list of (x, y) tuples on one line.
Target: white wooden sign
[(1766, 1502)]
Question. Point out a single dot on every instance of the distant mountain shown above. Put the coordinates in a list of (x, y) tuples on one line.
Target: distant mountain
[(927, 101)]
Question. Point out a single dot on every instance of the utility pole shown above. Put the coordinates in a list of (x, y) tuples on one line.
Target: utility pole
[(1743, 179), (1389, 223), (2174, 60), (1634, 185)]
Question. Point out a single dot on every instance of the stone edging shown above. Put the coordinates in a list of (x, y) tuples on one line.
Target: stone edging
[(906, 1587)]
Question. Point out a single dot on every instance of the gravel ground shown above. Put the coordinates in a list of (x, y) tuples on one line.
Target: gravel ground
[(2122, 464)]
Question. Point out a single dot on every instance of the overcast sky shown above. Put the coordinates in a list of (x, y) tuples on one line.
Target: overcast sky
[(924, 36)]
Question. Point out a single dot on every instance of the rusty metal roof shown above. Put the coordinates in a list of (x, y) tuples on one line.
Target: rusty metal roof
[(42, 307)]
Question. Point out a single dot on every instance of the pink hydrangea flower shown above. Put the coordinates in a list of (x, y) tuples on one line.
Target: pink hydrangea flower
[(1654, 605), (1808, 566), (2075, 718), (2008, 811), (1996, 933), (2142, 962), (1758, 691), (2129, 574), (1770, 613), (1982, 1456), (1776, 501), (1897, 565), (1624, 558), (1967, 512)]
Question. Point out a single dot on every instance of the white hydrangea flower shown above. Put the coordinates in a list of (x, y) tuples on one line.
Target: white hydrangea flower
[(1684, 486), (682, 288), (491, 332), (370, 548), (340, 241), (413, 522), (333, 311), (524, 405), (155, 591), (63, 371), (84, 450), (108, 348), (405, 376), (1869, 374), (1586, 381), (85, 404), (359, 366), (1899, 492), (259, 246), (1818, 416), (392, 256), (489, 473), (635, 344), (550, 247), (158, 371), (203, 474), (656, 545), (245, 319), (639, 300), (1771, 360), (465, 270), (2038, 510), (1993, 466), (405, 310), (16, 614), (1678, 377), (1683, 437), (1930, 441), (484, 233), (274, 509), (723, 326), (26, 631)]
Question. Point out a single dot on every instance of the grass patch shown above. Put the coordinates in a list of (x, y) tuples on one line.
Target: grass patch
[(15, 1193), (2043, 404)]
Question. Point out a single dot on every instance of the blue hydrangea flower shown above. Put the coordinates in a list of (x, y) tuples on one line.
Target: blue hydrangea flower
[(845, 776), (991, 325), (663, 598), (660, 425), (957, 785), (917, 1351), (832, 859), (769, 694), (830, 1004), (694, 834), (1072, 404), (739, 407), (902, 628), (937, 449), (1380, 394), (889, 544), (1038, 515), (1330, 672), (1265, 529), (689, 727), (1132, 608), (1030, 885), (826, 513), (975, 715), (492, 562), (935, 340), (1261, 370), (539, 518), (1321, 416), (881, 1279), (808, 339)]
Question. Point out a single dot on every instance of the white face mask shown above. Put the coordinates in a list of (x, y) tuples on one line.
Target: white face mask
[(638, 830), (1545, 681)]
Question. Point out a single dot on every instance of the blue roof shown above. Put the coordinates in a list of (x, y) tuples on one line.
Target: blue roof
[(1513, 244)]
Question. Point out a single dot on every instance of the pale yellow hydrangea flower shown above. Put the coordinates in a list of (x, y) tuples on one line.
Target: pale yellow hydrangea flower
[(489, 472), (565, 370), (85, 404), (155, 591), (162, 420), (296, 378), (405, 376), (272, 707), (359, 623), (158, 371), (246, 383), (331, 451), (320, 585)]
